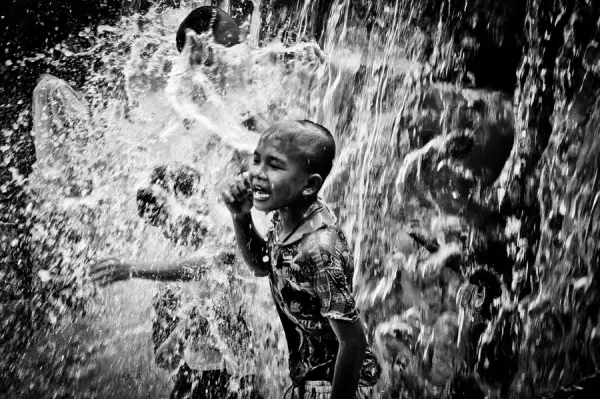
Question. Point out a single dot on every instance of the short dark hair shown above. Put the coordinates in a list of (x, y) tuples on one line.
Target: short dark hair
[(315, 143)]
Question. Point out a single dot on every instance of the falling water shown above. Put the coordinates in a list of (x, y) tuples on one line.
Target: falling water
[(152, 106)]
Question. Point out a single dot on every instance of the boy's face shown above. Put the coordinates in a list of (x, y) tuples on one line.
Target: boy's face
[(278, 174)]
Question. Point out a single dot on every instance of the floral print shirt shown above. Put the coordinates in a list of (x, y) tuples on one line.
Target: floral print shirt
[(311, 282)]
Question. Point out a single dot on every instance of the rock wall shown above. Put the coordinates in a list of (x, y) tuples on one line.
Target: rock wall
[(526, 229)]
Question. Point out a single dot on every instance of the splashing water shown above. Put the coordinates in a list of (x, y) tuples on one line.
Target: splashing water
[(401, 176), (163, 109), (152, 106)]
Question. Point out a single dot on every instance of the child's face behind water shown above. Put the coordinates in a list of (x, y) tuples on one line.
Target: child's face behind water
[(279, 178)]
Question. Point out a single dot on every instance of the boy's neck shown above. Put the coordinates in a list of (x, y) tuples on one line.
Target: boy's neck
[(291, 216)]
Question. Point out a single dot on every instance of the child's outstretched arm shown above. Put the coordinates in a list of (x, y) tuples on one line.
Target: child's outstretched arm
[(111, 270), (252, 246)]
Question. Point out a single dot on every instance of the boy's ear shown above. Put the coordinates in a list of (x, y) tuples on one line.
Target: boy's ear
[(313, 185)]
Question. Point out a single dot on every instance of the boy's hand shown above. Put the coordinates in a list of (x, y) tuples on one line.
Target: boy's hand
[(238, 197), (110, 270)]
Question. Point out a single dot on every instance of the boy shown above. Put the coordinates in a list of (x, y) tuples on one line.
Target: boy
[(200, 331), (307, 260), (183, 341)]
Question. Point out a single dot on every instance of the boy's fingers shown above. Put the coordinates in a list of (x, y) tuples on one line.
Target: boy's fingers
[(227, 197), (100, 274), (244, 186), (96, 269), (246, 180), (102, 279), (103, 265), (236, 192), (107, 278)]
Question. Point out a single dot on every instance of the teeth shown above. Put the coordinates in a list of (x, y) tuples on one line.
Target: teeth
[(260, 195)]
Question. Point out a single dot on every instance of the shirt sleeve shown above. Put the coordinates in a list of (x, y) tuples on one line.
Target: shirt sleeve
[(330, 256)]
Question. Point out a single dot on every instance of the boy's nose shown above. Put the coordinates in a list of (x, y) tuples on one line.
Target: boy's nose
[(258, 172)]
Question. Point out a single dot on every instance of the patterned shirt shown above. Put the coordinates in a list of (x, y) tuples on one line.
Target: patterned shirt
[(311, 282)]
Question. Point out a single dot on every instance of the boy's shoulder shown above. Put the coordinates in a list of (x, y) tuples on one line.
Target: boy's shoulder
[(324, 245), (325, 232), (325, 237), (320, 227)]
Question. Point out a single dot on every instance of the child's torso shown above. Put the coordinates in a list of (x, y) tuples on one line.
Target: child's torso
[(302, 296), (292, 277)]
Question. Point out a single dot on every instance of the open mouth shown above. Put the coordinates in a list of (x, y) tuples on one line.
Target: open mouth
[(260, 194)]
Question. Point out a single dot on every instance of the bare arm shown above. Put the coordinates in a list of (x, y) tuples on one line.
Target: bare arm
[(339, 307), (252, 246), (111, 270), (351, 353), (238, 199), (180, 270)]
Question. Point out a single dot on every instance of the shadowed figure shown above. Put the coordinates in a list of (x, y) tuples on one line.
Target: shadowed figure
[(205, 19), (187, 333), (62, 127)]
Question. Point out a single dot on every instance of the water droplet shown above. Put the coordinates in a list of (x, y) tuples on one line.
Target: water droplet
[(44, 275)]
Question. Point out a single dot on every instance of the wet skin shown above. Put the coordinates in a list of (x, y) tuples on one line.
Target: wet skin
[(278, 179)]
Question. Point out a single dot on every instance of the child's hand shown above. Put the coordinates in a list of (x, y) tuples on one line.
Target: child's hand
[(110, 270), (239, 196)]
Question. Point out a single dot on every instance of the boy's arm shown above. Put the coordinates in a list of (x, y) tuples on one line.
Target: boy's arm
[(111, 270), (238, 199), (351, 352), (252, 246), (179, 270), (331, 257)]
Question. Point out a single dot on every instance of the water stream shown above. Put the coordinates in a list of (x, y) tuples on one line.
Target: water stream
[(152, 106)]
